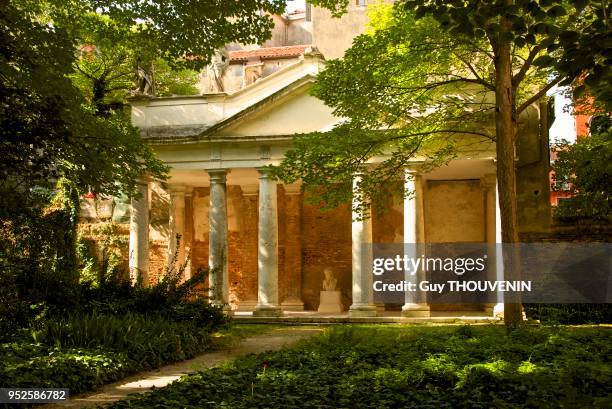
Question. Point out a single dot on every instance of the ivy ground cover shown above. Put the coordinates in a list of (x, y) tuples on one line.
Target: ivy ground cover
[(410, 367)]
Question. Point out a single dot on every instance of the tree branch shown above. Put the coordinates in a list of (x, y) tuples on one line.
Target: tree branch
[(538, 95), (516, 80), (119, 75), (451, 131), (478, 77), (428, 87), (91, 77)]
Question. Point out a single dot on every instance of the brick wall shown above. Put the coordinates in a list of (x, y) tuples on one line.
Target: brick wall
[(326, 242)]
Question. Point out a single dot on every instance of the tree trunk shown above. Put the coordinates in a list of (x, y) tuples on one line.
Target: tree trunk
[(505, 131), (98, 94)]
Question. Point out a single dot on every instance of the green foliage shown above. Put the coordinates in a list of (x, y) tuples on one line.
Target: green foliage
[(570, 314), (387, 85), (409, 367), (53, 146), (573, 37), (29, 364), (171, 299), (37, 253), (586, 169), (337, 7), (46, 130), (101, 259), (109, 55), (102, 333), (148, 340), (176, 27), (169, 81), (82, 352)]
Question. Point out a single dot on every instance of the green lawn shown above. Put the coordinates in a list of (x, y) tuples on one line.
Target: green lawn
[(229, 336), (404, 367)]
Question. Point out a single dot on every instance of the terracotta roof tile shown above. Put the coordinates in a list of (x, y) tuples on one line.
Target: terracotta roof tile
[(268, 53)]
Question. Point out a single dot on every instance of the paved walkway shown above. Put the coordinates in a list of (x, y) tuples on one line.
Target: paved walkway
[(143, 381)]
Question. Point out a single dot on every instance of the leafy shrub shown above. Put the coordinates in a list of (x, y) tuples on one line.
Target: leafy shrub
[(84, 351), (37, 365), (584, 169), (170, 298), (149, 340)]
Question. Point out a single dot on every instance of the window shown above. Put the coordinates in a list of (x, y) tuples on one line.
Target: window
[(360, 2)]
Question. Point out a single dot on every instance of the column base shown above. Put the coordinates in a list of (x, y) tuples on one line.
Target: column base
[(247, 305), (267, 311), (416, 310), (489, 309), (362, 311), (292, 304), (498, 310)]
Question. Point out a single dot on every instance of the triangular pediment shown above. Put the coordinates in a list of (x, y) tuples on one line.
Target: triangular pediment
[(289, 111)]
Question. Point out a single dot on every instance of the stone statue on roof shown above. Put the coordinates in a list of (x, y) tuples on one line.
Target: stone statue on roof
[(215, 70), (144, 81)]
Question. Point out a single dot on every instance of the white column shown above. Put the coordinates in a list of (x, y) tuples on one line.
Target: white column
[(217, 240), (139, 234), (488, 183), (499, 254), (188, 231), (415, 304), (267, 258), (176, 226), (363, 297)]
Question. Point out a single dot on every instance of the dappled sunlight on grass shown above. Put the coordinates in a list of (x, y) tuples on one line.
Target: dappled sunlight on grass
[(526, 367)]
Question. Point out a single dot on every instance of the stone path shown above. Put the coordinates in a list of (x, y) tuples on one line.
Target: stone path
[(143, 381)]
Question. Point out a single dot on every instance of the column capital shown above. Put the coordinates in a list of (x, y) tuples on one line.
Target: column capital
[(414, 167), (217, 175), (293, 188), (265, 172)]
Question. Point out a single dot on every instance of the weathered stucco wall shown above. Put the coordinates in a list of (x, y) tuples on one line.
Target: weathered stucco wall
[(333, 36), (454, 211), (533, 167), (295, 31)]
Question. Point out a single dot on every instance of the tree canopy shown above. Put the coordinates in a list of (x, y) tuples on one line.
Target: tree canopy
[(66, 67), (47, 130)]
